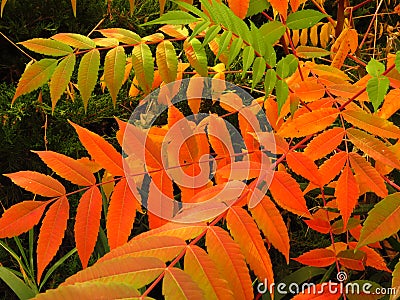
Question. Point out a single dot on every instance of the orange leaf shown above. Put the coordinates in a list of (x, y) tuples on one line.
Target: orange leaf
[(346, 194), (351, 259), (245, 232), (270, 221), (281, 6), (324, 143), (310, 90), (135, 271), (309, 123), (374, 259), (182, 231), (239, 7), (100, 150), (37, 183), (204, 272), (179, 285), (273, 142), (332, 167), (87, 223), (373, 147), (372, 123), (303, 166), (121, 214), (390, 105), (159, 204), (287, 193), (165, 248), (368, 174), (319, 225), (67, 167), (194, 92), (230, 262), (51, 233), (317, 258), (21, 217)]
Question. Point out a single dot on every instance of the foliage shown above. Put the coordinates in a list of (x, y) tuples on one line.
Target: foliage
[(328, 151)]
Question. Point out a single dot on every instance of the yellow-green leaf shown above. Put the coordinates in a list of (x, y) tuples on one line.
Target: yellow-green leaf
[(167, 61), (196, 55), (35, 76), (47, 47), (373, 147), (372, 123), (382, 221), (75, 40), (122, 35), (114, 69), (142, 61), (178, 285), (60, 78), (87, 74)]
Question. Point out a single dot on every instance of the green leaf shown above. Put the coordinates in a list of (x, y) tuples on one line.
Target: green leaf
[(173, 17), (196, 55), (61, 78), (375, 68), (269, 54), (75, 40), (248, 58), (377, 88), (192, 9), (257, 6), (20, 288), (122, 35), (35, 76), (269, 81), (304, 19), (87, 74), (114, 69), (234, 50), (211, 34), (167, 61), (382, 221), (142, 60), (282, 93), (287, 66), (272, 31), (258, 71), (311, 52), (224, 42), (397, 61), (201, 26), (47, 47)]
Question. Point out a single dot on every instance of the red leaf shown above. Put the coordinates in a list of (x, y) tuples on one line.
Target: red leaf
[(100, 150), (121, 214), (37, 183), (287, 193), (51, 233), (87, 223), (319, 225), (67, 167), (317, 258), (21, 217), (374, 259), (346, 194)]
